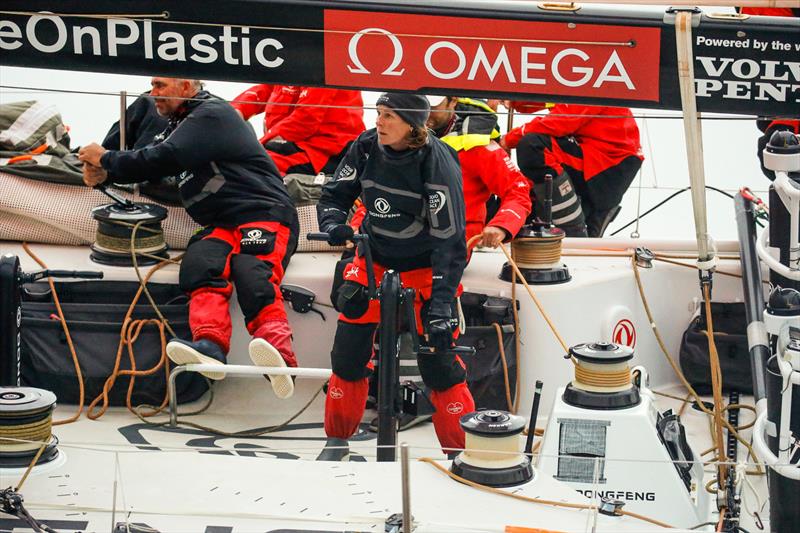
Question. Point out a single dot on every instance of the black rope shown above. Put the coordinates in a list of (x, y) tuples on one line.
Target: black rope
[(667, 199)]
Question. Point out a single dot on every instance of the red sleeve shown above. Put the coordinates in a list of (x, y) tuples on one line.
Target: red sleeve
[(358, 216), (253, 100), (563, 120), (502, 177), (307, 116), (528, 107)]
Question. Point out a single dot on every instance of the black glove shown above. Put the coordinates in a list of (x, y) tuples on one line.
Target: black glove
[(339, 234), (439, 328)]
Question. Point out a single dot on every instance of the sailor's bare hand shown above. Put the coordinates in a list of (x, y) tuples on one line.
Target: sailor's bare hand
[(91, 153), (502, 142), (93, 175), (492, 236)]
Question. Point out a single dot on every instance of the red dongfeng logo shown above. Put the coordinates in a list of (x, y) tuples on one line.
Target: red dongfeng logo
[(455, 408), (336, 393), (409, 52), (624, 333)]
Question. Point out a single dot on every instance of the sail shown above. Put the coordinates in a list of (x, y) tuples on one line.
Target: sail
[(509, 50)]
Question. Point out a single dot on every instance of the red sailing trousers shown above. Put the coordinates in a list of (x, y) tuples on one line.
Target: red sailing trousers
[(252, 257), (445, 375)]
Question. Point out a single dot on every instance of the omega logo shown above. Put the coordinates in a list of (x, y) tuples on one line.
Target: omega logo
[(359, 68)]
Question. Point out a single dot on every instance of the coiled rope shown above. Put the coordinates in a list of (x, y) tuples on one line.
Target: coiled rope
[(532, 252), (602, 379)]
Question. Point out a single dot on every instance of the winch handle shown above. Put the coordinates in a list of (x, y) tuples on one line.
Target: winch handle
[(124, 202), (317, 236), (77, 274), (547, 216), (456, 350)]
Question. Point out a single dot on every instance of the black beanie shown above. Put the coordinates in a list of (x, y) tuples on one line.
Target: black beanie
[(413, 108)]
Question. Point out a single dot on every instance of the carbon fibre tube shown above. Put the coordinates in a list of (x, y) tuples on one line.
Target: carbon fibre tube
[(757, 339)]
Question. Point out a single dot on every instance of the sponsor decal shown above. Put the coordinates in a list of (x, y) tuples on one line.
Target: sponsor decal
[(347, 173), (627, 495), (147, 39), (184, 177), (253, 237), (436, 202), (746, 67), (407, 51), (624, 333), (455, 408), (565, 188), (336, 393), (352, 272), (382, 205)]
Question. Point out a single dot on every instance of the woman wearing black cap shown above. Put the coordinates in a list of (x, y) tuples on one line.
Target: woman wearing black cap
[(410, 184)]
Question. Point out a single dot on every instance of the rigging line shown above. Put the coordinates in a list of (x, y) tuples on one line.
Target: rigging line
[(631, 43), (667, 199), (136, 94), (162, 15), (652, 160)]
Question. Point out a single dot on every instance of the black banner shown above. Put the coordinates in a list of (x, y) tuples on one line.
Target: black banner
[(592, 56)]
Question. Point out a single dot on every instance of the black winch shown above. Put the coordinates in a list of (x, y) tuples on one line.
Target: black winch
[(492, 455), (25, 426), (536, 249), (116, 223), (602, 377)]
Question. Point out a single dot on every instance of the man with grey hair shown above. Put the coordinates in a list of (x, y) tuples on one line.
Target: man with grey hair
[(229, 185)]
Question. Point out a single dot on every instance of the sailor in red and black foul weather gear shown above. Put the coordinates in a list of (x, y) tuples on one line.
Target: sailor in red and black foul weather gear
[(410, 184), (593, 154), (469, 126), (306, 129), (768, 126), (229, 185)]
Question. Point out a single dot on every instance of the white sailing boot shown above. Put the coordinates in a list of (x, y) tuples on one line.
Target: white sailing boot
[(201, 351), (263, 353)]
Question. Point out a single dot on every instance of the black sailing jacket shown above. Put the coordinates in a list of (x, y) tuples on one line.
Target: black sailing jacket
[(225, 176), (414, 203)]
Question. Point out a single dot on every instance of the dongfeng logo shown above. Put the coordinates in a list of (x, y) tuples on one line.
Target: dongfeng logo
[(455, 408), (382, 206), (254, 234), (336, 393)]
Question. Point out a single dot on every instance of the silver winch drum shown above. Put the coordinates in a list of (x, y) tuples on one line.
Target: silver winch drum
[(492, 456), (115, 224), (25, 424), (602, 377)]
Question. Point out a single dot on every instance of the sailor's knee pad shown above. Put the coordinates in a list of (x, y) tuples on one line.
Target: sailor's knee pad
[(352, 299), (352, 349), (203, 264), (440, 372), (254, 289)]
